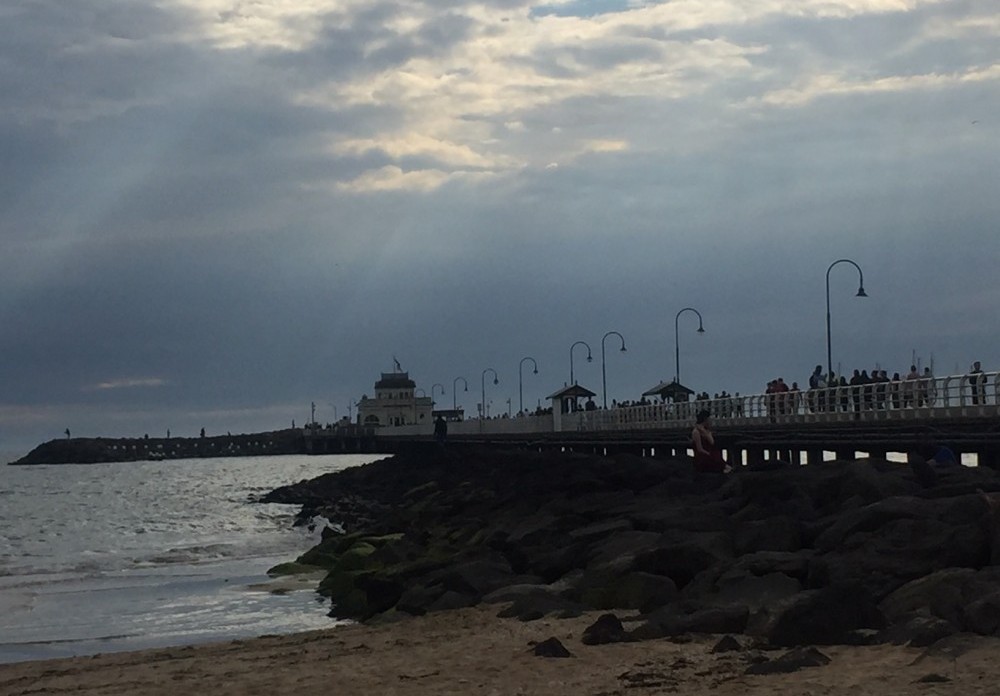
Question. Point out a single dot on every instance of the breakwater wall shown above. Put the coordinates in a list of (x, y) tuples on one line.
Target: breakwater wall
[(103, 449)]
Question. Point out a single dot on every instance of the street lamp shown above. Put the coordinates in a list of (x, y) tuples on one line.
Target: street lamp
[(861, 293), (677, 341), (432, 391), (520, 381), (454, 391), (482, 384), (604, 372), (590, 358)]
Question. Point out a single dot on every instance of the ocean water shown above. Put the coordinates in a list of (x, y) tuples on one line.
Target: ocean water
[(110, 557)]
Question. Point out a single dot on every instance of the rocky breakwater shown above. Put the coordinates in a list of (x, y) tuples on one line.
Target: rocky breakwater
[(838, 553)]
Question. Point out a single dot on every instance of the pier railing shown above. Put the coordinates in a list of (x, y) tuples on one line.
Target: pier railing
[(955, 396), (923, 399)]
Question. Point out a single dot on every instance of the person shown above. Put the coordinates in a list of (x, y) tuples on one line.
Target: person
[(928, 392), (910, 387), (857, 384), (817, 400), (707, 456), (440, 429), (977, 380)]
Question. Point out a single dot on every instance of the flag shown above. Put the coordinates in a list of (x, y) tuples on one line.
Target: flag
[(399, 368)]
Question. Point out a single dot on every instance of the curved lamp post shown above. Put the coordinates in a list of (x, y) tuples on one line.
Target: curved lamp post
[(861, 293), (433, 386), (677, 341), (604, 372), (482, 384), (454, 391), (520, 381), (590, 358)]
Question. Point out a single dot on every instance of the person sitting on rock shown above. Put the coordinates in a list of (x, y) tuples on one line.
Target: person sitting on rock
[(707, 456)]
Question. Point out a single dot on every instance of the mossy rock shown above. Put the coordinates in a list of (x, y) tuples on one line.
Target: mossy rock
[(338, 583), (293, 568), (380, 541), (356, 557), (318, 558)]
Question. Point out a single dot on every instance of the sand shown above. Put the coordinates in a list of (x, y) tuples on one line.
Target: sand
[(470, 651)]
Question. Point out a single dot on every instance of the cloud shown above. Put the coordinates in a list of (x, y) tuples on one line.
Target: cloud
[(833, 86), (129, 383), (258, 203)]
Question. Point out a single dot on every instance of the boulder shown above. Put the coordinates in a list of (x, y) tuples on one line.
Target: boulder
[(551, 647), (828, 616), (791, 661), (607, 629), (681, 557)]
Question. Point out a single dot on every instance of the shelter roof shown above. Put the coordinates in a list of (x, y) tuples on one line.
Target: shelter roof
[(572, 391), (671, 389)]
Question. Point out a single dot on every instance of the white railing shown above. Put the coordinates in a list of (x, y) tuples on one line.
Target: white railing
[(935, 398), (918, 399)]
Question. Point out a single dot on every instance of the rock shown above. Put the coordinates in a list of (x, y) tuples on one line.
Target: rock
[(983, 615), (791, 661), (551, 647), (951, 595), (681, 557), (673, 621), (917, 631), (630, 590), (534, 607), (932, 678), (607, 629), (452, 600), (819, 617), (780, 533), (511, 593), (726, 644)]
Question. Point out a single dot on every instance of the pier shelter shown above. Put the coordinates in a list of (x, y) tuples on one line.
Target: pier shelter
[(566, 401), (395, 403)]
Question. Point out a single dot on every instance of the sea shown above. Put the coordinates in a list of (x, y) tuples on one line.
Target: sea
[(99, 558)]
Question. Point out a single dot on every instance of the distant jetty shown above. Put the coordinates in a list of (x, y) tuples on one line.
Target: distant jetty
[(94, 450)]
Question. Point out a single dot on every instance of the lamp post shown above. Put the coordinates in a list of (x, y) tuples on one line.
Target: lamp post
[(454, 391), (861, 293), (590, 358), (350, 409), (604, 371), (677, 341), (482, 384), (432, 391), (520, 381)]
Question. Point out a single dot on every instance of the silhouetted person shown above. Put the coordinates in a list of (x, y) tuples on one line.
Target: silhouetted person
[(440, 430), (977, 380)]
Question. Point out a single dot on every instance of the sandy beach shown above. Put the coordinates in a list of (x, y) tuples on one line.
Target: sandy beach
[(470, 651)]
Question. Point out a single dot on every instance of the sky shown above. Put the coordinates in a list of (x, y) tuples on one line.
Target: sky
[(214, 213)]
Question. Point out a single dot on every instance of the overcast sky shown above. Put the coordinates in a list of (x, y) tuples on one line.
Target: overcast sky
[(214, 212)]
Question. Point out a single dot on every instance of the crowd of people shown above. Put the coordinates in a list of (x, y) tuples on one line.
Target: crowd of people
[(865, 391)]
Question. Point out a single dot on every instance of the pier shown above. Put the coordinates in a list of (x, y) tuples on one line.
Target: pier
[(794, 427)]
